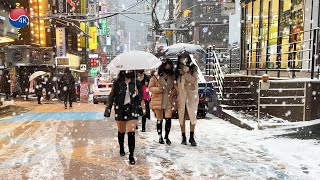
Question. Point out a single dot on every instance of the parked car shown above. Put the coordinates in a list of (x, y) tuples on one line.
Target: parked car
[(101, 94)]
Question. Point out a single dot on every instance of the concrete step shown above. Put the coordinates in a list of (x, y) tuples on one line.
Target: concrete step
[(238, 102), (239, 108), (242, 95), (238, 89)]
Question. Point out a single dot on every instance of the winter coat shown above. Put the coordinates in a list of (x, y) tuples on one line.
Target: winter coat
[(6, 86), (117, 98), (144, 85), (39, 87), (68, 83), (161, 92), (188, 98)]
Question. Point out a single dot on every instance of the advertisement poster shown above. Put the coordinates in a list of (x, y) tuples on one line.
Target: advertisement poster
[(93, 41), (84, 88), (61, 41)]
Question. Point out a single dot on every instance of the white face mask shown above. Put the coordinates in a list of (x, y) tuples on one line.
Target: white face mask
[(184, 60)]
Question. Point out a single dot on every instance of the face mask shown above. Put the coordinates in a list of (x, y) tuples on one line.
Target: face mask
[(167, 70), (129, 75), (184, 60), (185, 69)]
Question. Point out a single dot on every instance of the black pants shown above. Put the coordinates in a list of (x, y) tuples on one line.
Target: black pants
[(68, 96), (39, 99)]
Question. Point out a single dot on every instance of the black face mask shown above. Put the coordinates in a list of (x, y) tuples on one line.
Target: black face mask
[(167, 71), (129, 75)]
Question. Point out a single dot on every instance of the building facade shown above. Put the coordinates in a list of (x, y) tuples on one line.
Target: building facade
[(204, 23), (280, 36)]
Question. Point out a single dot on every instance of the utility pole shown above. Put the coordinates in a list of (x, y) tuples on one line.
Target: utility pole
[(170, 32)]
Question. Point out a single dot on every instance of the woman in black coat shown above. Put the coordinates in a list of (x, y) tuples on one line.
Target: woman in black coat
[(6, 83), (125, 97)]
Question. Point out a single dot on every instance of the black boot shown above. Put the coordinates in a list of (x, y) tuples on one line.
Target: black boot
[(184, 139), (159, 129), (167, 129), (191, 140), (131, 144), (70, 104), (144, 123), (121, 143), (65, 105)]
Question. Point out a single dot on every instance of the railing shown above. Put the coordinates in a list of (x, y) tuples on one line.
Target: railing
[(213, 65), (296, 52)]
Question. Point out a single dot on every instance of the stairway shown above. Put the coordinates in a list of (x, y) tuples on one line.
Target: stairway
[(236, 95)]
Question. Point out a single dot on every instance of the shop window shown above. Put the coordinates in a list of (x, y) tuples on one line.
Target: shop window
[(273, 33), (255, 33), (249, 33), (264, 33)]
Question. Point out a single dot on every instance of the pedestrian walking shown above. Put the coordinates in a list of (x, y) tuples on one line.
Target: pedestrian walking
[(6, 83), (188, 99), (162, 89), (145, 103), (68, 90), (17, 88), (39, 88), (125, 97)]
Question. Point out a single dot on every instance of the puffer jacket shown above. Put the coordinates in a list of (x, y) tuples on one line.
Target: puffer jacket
[(156, 93)]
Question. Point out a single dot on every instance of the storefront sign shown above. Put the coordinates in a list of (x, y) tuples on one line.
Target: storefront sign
[(61, 6), (83, 6), (103, 59), (104, 27), (83, 67), (93, 72), (61, 41), (92, 8), (82, 38), (228, 8), (93, 41), (62, 61)]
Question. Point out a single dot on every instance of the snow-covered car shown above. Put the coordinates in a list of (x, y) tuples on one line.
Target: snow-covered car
[(101, 94)]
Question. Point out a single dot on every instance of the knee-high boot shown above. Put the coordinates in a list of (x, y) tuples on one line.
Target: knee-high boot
[(159, 129), (144, 119), (131, 144), (121, 143), (167, 130)]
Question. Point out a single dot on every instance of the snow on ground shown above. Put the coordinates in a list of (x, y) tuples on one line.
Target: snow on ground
[(226, 151)]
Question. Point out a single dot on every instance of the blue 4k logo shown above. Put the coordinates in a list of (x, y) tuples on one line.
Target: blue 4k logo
[(19, 18)]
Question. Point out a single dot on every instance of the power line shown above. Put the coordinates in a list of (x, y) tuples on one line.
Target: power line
[(135, 19)]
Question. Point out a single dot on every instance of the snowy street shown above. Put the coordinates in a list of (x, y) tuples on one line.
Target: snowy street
[(52, 143)]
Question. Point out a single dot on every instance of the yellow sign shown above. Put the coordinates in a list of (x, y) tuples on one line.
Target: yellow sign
[(62, 61), (93, 41), (83, 6), (169, 33), (82, 38), (186, 12)]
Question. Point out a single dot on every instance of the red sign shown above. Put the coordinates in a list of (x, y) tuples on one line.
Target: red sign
[(93, 63), (71, 3), (103, 59)]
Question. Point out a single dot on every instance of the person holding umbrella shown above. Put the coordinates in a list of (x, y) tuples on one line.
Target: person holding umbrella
[(125, 97), (188, 99), (162, 102)]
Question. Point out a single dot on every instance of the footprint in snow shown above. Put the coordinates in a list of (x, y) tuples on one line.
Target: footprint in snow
[(305, 170)]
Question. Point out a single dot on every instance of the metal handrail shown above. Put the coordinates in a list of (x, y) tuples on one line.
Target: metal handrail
[(218, 73)]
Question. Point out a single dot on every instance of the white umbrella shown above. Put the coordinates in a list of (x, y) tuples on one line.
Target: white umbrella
[(133, 60), (36, 74), (182, 48)]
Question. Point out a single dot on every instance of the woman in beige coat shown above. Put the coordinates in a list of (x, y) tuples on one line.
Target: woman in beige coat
[(161, 87), (188, 99)]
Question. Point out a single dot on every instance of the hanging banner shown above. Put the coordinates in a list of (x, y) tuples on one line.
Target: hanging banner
[(228, 8), (82, 38), (83, 6), (104, 27), (92, 8), (61, 41), (61, 6), (93, 41)]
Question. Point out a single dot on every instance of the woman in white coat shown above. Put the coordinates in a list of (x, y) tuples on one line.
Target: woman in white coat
[(188, 100)]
